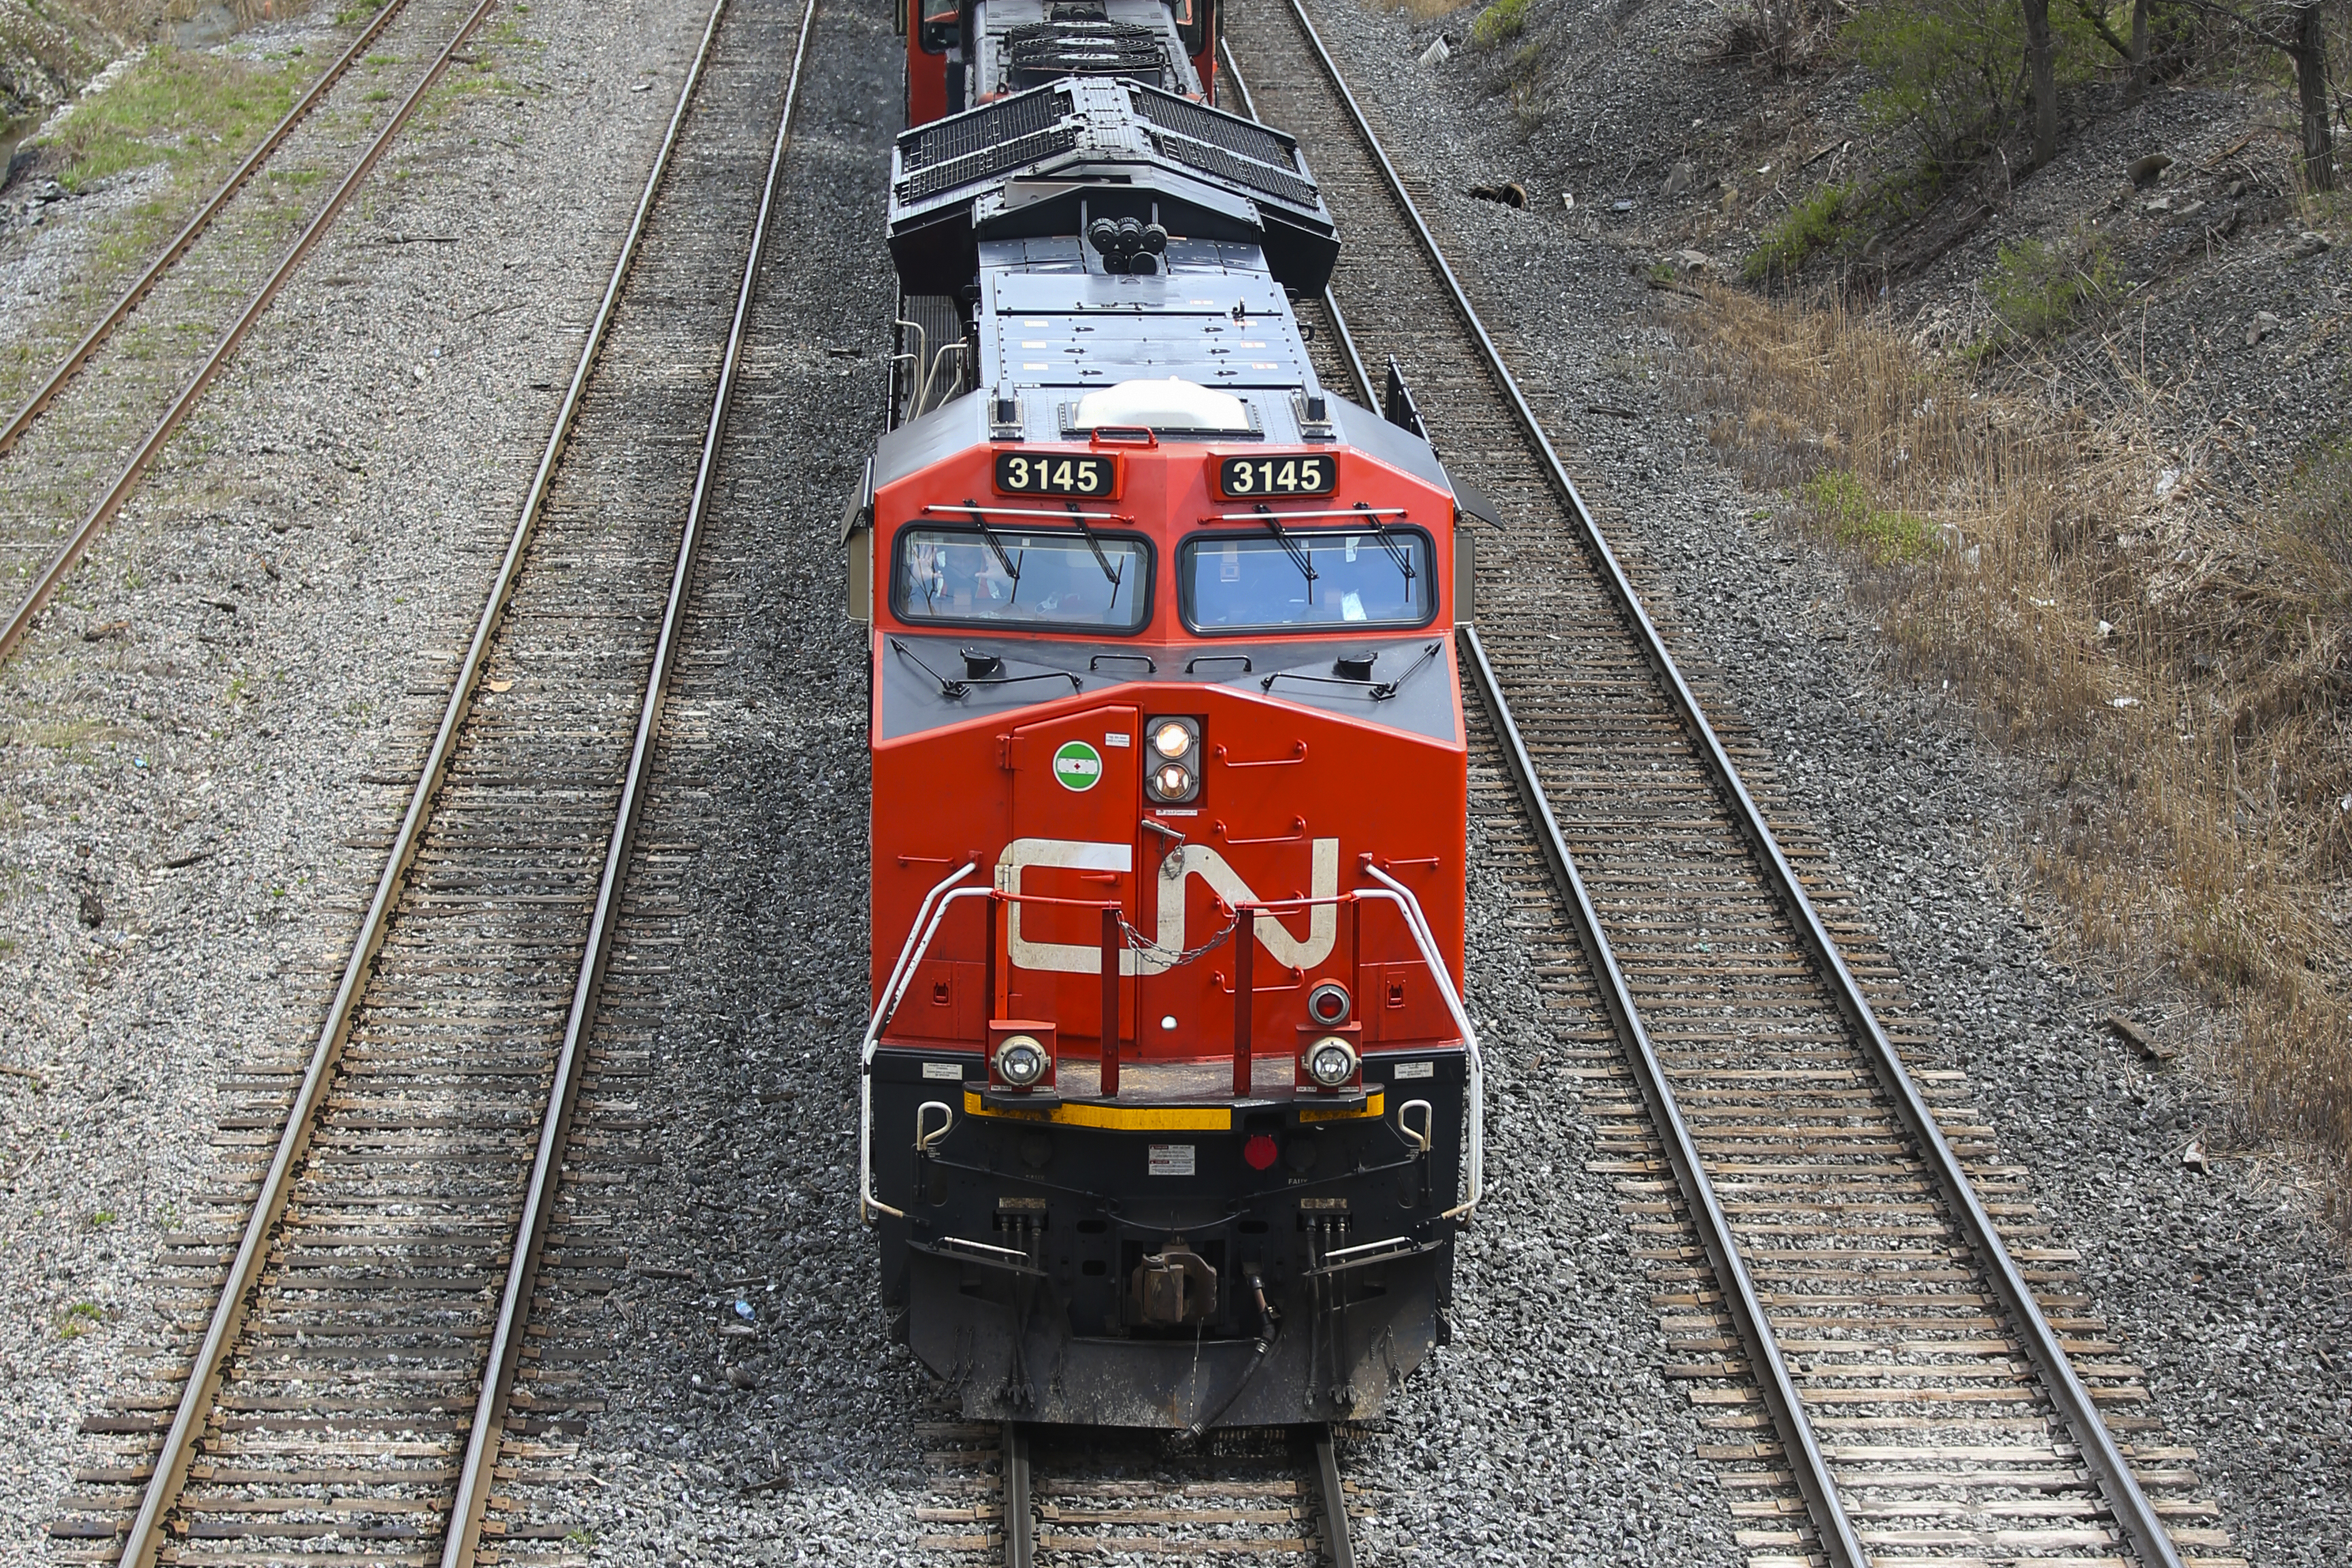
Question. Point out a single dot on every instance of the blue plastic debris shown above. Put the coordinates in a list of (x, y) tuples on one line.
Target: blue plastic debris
[(743, 1310)]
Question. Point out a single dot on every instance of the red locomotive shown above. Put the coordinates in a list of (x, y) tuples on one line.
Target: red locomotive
[(1170, 1103)]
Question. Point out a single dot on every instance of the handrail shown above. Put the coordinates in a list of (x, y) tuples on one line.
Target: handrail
[(968, 510), (933, 911), (1354, 511), (1403, 897), (927, 918), (1298, 751), (918, 941), (1297, 831)]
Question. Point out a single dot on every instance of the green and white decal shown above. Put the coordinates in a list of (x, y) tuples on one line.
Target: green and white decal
[(1078, 766)]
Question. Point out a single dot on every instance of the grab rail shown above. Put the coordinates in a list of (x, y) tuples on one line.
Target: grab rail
[(1298, 751), (933, 912)]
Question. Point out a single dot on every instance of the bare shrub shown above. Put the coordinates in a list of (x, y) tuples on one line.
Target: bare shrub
[(2184, 682)]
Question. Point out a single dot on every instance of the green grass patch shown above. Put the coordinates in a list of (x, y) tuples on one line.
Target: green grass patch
[(1502, 20), (2040, 290), (176, 107), (1818, 223), (1845, 509), (79, 1319)]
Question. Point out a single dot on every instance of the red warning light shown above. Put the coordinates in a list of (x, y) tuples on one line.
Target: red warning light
[(1259, 1151)]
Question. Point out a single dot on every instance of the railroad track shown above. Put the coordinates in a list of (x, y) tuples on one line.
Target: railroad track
[(344, 1387), (1881, 1374), (1027, 1496), (77, 448)]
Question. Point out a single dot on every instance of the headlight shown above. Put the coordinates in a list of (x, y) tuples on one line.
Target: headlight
[(1174, 781), (1330, 1061), (1172, 739), (1020, 1060)]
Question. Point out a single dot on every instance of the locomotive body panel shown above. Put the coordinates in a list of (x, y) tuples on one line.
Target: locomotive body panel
[(1171, 1103)]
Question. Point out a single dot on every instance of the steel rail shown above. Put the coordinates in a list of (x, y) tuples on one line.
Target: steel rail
[(1833, 1529), (1342, 1549), (2133, 1514), (53, 576), (1832, 1525), (172, 1460), (1020, 1525), (1331, 304), (475, 1477), (130, 298)]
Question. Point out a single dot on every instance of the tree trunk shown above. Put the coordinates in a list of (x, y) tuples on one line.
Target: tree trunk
[(2309, 52), (2136, 82), (2039, 57)]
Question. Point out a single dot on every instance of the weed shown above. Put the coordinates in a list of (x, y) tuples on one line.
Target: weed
[(101, 1219), (2040, 291), (1844, 507), (580, 1537), (1814, 225), (1947, 70), (359, 11), (174, 106), (1502, 20), (77, 1320), (2188, 709)]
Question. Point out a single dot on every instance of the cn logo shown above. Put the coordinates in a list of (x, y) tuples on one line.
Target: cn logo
[(1188, 862)]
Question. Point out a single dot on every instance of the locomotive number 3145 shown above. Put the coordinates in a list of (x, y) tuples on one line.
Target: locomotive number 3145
[(1054, 474), (1283, 475)]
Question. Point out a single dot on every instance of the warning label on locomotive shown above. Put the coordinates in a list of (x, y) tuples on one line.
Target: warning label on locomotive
[(1315, 475), (1171, 1160), (1056, 474), (1077, 765)]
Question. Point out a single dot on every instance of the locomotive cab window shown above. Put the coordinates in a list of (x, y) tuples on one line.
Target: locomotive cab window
[(968, 576), (1192, 21), (1300, 581), (942, 20)]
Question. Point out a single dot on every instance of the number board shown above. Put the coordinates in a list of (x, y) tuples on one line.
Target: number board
[(1283, 474), (1057, 474)]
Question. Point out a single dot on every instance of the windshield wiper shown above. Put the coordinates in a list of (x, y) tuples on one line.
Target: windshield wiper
[(1380, 534), (1094, 544), (1378, 691), (1291, 547), (955, 690), (995, 546)]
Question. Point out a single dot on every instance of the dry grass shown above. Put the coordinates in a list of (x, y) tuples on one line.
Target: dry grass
[(2177, 667), (1427, 10)]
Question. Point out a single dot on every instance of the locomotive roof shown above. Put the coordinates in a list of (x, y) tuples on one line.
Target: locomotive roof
[(1039, 164), (1022, 44)]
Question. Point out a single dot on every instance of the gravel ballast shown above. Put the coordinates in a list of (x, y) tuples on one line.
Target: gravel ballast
[(206, 735), (388, 422), (2223, 1281)]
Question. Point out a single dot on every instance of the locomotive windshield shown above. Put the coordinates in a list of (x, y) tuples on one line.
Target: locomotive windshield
[(966, 575), (1297, 580)]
